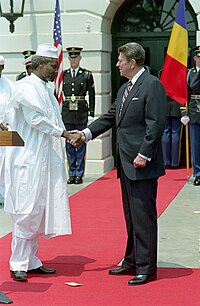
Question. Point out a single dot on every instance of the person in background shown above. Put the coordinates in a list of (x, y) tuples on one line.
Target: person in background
[(5, 91), (76, 111), (35, 178), (139, 114), (27, 62), (193, 79), (172, 133), (6, 87)]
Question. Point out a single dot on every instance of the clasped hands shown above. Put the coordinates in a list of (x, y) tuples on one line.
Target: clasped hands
[(75, 138)]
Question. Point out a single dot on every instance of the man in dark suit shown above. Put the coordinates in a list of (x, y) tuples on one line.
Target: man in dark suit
[(194, 114), (77, 82), (27, 62), (139, 119)]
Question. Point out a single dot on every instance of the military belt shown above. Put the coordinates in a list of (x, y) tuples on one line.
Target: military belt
[(75, 98), (195, 97)]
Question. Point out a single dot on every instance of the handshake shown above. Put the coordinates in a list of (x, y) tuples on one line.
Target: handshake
[(75, 138)]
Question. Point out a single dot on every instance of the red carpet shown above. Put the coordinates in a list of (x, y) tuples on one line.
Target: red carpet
[(97, 243)]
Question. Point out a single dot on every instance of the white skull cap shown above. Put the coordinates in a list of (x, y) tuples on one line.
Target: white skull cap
[(2, 60), (47, 50)]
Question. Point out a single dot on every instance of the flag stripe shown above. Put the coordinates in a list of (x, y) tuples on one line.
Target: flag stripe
[(174, 73), (58, 83), (180, 15), (176, 80), (178, 52)]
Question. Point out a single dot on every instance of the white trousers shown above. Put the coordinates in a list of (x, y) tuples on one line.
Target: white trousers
[(25, 230), (24, 254)]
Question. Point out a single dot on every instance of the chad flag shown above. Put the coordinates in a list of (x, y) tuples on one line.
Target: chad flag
[(175, 66)]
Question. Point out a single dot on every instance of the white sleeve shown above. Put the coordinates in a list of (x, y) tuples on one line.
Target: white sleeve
[(88, 134)]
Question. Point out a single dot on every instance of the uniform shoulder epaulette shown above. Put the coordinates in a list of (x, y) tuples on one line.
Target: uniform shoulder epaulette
[(193, 69), (21, 76), (86, 70)]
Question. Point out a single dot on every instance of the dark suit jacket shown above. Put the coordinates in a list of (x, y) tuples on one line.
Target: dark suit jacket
[(140, 127)]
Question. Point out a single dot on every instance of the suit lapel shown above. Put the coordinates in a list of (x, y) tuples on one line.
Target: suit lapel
[(131, 95)]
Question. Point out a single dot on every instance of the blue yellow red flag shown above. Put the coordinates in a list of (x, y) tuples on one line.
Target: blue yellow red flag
[(174, 73)]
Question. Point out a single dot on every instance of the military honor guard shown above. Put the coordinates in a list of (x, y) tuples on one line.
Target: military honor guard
[(27, 62), (172, 133), (76, 110), (194, 114)]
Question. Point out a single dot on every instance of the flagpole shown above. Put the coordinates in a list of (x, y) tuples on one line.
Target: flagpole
[(187, 145)]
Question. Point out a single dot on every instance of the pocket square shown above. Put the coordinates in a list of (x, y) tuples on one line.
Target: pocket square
[(135, 99)]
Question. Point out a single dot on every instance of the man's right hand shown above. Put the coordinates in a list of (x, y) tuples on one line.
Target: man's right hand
[(75, 137)]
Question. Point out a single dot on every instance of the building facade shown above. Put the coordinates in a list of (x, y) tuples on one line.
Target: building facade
[(99, 28)]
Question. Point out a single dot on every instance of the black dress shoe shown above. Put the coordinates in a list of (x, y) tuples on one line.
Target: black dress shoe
[(71, 180), (78, 180), (20, 276), (197, 181), (142, 279), (122, 271), (42, 270)]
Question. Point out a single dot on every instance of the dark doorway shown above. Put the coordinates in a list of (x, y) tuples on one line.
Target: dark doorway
[(149, 23)]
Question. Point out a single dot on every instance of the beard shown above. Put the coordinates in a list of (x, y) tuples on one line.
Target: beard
[(51, 78)]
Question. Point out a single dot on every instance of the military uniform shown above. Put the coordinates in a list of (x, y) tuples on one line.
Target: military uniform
[(27, 62), (75, 108), (171, 135), (75, 112), (194, 115), (172, 132)]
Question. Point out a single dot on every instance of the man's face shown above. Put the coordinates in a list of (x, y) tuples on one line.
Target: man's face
[(125, 67), (74, 61), (49, 71), (29, 69), (197, 60), (1, 68)]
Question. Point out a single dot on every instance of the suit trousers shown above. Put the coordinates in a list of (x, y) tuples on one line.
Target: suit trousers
[(139, 203)]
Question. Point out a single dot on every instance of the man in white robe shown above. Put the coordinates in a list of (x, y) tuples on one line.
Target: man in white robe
[(35, 189), (5, 92)]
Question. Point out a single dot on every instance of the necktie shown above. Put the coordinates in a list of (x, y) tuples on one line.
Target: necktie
[(125, 95), (73, 73)]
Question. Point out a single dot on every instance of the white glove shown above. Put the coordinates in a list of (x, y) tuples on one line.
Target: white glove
[(185, 120), (90, 119)]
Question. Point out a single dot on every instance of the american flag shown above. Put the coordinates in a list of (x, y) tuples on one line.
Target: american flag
[(57, 36)]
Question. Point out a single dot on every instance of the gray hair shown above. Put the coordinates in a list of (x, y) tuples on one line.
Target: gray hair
[(37, 59), (133, 51)]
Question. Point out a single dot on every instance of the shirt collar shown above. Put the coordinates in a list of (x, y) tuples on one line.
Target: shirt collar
[(137, 75), (76, 70)]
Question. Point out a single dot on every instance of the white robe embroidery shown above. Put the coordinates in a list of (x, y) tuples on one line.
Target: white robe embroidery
[(35, 174)]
